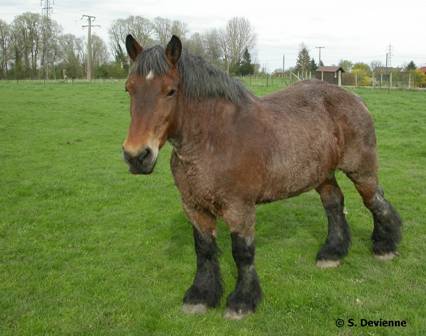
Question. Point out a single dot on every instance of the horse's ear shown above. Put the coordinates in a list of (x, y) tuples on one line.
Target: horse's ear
[(133, 47), (174, 50)]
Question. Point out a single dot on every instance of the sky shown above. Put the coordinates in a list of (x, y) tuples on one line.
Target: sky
[(360, 31)]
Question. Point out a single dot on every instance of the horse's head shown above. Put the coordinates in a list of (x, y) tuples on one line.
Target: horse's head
[(153, 90)]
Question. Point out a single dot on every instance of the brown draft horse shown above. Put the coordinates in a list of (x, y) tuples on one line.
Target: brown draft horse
[(232, 150)]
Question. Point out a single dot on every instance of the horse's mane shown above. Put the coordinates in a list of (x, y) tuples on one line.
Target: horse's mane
[(199, 79)]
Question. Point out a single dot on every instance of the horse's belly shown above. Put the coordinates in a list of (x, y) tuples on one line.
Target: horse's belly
[(292, 175)]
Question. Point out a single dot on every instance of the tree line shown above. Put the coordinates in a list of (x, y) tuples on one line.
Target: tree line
[(366, 74), (33, 46)]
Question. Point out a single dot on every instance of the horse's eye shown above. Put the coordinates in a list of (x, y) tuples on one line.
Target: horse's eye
[(172, 92)]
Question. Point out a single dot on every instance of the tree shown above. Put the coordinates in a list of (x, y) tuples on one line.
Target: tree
[(410, 66), (50, 32), (212, 47), (117, 34), (141, 28), (165, 28), (313, 66), (374, 65), (420, 78), (178, 28), (26, 42), (362, 67), (303, 60), (5, 50), (235, 39), (346, 65), (206, 45), (162, 29), (72, 50), (195, 45), (99, 51), (363, 73), (246, 67)]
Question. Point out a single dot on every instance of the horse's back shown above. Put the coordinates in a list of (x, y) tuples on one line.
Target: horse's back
[(313, 101), (316, 128)]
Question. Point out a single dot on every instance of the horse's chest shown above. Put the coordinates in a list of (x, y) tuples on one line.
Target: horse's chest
[(195, 185)]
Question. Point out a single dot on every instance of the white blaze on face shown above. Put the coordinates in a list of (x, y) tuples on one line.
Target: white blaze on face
[(150, 75)]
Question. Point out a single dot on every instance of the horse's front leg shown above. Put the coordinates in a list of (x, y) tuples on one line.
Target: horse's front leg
[(247, 294), (207, 288)]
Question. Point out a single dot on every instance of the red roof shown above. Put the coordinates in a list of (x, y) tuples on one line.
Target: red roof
[(423, 69)]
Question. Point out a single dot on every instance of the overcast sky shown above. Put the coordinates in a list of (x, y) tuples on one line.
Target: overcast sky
[(356, 30)]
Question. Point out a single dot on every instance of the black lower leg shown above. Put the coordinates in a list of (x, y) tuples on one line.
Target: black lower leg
[(338, 237), (207, 286), (387, 225), (247, 293)]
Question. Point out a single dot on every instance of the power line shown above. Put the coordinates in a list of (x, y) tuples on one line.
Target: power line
[(90, 25)]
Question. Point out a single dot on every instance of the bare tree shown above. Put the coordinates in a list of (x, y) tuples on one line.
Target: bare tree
[(162, 28), (5, 52), (235, 39), (213, 51), (72, 52), (195, 45), (27, 38), (179, 28), (117, 34), (141, 28), (165, 28), (99, 51), (50, 32), (376, 64), (224, 46)]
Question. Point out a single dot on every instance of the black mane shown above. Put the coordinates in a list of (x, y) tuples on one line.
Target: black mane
[(199, 79)]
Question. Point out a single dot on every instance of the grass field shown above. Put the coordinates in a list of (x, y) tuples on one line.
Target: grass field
[(88, 249)]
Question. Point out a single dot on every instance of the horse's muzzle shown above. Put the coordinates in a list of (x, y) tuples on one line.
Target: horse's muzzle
[(142, 163)]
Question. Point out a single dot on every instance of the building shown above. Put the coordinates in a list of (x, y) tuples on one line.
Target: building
[(422, 69), (330, 74)]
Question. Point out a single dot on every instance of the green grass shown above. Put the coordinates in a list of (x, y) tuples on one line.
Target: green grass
[(88, 249)]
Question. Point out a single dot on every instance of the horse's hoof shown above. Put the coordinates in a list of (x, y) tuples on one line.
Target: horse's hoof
[(386, 256), (235, 315), (327, 263), (198, 308)]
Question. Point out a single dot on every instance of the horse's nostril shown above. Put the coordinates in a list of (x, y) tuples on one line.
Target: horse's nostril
[(144, 154), (127, 156)]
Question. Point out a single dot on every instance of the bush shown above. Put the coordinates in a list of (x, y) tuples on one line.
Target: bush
[(420, 79)]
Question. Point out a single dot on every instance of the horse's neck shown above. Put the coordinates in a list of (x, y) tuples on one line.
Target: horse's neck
[(195, 122)]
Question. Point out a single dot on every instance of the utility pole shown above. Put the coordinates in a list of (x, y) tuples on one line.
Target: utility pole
[(46, 8), (319, 54), (90, 19), (389, 56), (389, 64), (283, 64)]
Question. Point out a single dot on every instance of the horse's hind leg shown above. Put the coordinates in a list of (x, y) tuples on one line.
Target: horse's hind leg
[(338, 238), (387, 223), (207, 288)]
